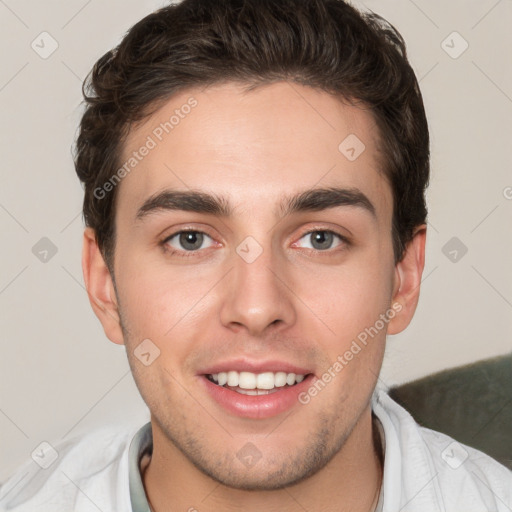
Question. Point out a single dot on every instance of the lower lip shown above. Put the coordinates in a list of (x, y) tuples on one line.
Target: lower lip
[(256, 406)]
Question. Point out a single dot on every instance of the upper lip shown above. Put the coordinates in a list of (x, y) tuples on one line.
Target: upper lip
[(247, 365)]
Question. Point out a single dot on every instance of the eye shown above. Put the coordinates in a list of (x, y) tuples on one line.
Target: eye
[(186, 241), (322, 239)]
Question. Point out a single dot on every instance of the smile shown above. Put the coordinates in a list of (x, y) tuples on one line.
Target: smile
[(253, 384), (256, 395)]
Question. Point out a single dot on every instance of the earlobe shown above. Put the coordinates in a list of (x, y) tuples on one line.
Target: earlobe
[(406, 288), (100, 288)]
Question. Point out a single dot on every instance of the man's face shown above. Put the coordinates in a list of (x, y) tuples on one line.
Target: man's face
[(254, 292)]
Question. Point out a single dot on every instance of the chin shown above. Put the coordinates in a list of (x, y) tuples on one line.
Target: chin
[(260, 480), (268, 473)]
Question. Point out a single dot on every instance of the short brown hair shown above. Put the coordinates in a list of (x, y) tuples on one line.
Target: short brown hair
[(326, 44)]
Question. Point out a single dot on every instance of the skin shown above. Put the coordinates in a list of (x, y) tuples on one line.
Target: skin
[(294, 303)]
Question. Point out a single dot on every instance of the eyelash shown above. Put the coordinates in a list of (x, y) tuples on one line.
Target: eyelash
[(187, 254)]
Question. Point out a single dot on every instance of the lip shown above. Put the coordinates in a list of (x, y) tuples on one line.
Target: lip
[(256, 406), (246, 365)]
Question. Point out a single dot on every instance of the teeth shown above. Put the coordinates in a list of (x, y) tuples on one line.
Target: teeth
[(280, 379), (232, 378), (265, 380), (253, 391), (247, 380), (290, 379), (251, 381)]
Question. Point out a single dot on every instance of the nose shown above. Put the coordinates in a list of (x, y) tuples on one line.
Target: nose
[(258, 294)]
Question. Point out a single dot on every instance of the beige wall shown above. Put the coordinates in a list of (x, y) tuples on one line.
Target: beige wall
[(58, 372)]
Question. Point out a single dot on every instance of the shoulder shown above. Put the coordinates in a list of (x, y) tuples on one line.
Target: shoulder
[(461, 467), (84, 472), (435, 470)]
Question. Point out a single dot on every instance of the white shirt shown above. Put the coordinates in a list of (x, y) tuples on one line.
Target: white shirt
[(424, 471)]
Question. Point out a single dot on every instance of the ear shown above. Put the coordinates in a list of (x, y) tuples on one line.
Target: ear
[(100, 288), (407, 280)]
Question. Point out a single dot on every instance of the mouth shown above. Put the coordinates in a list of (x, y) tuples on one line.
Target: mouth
[(256, 394)]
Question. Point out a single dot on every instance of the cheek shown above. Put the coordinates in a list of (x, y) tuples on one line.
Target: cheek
[(163, 303), (348, 298)]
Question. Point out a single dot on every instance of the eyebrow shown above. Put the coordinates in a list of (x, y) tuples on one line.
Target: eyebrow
[(316, 199)]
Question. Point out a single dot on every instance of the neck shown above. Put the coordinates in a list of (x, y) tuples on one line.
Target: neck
[(350, 481)]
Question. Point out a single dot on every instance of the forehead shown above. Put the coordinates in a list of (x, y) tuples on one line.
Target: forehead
[(253, 147)]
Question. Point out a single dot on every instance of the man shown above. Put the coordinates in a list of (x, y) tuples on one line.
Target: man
[(254, 198)]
